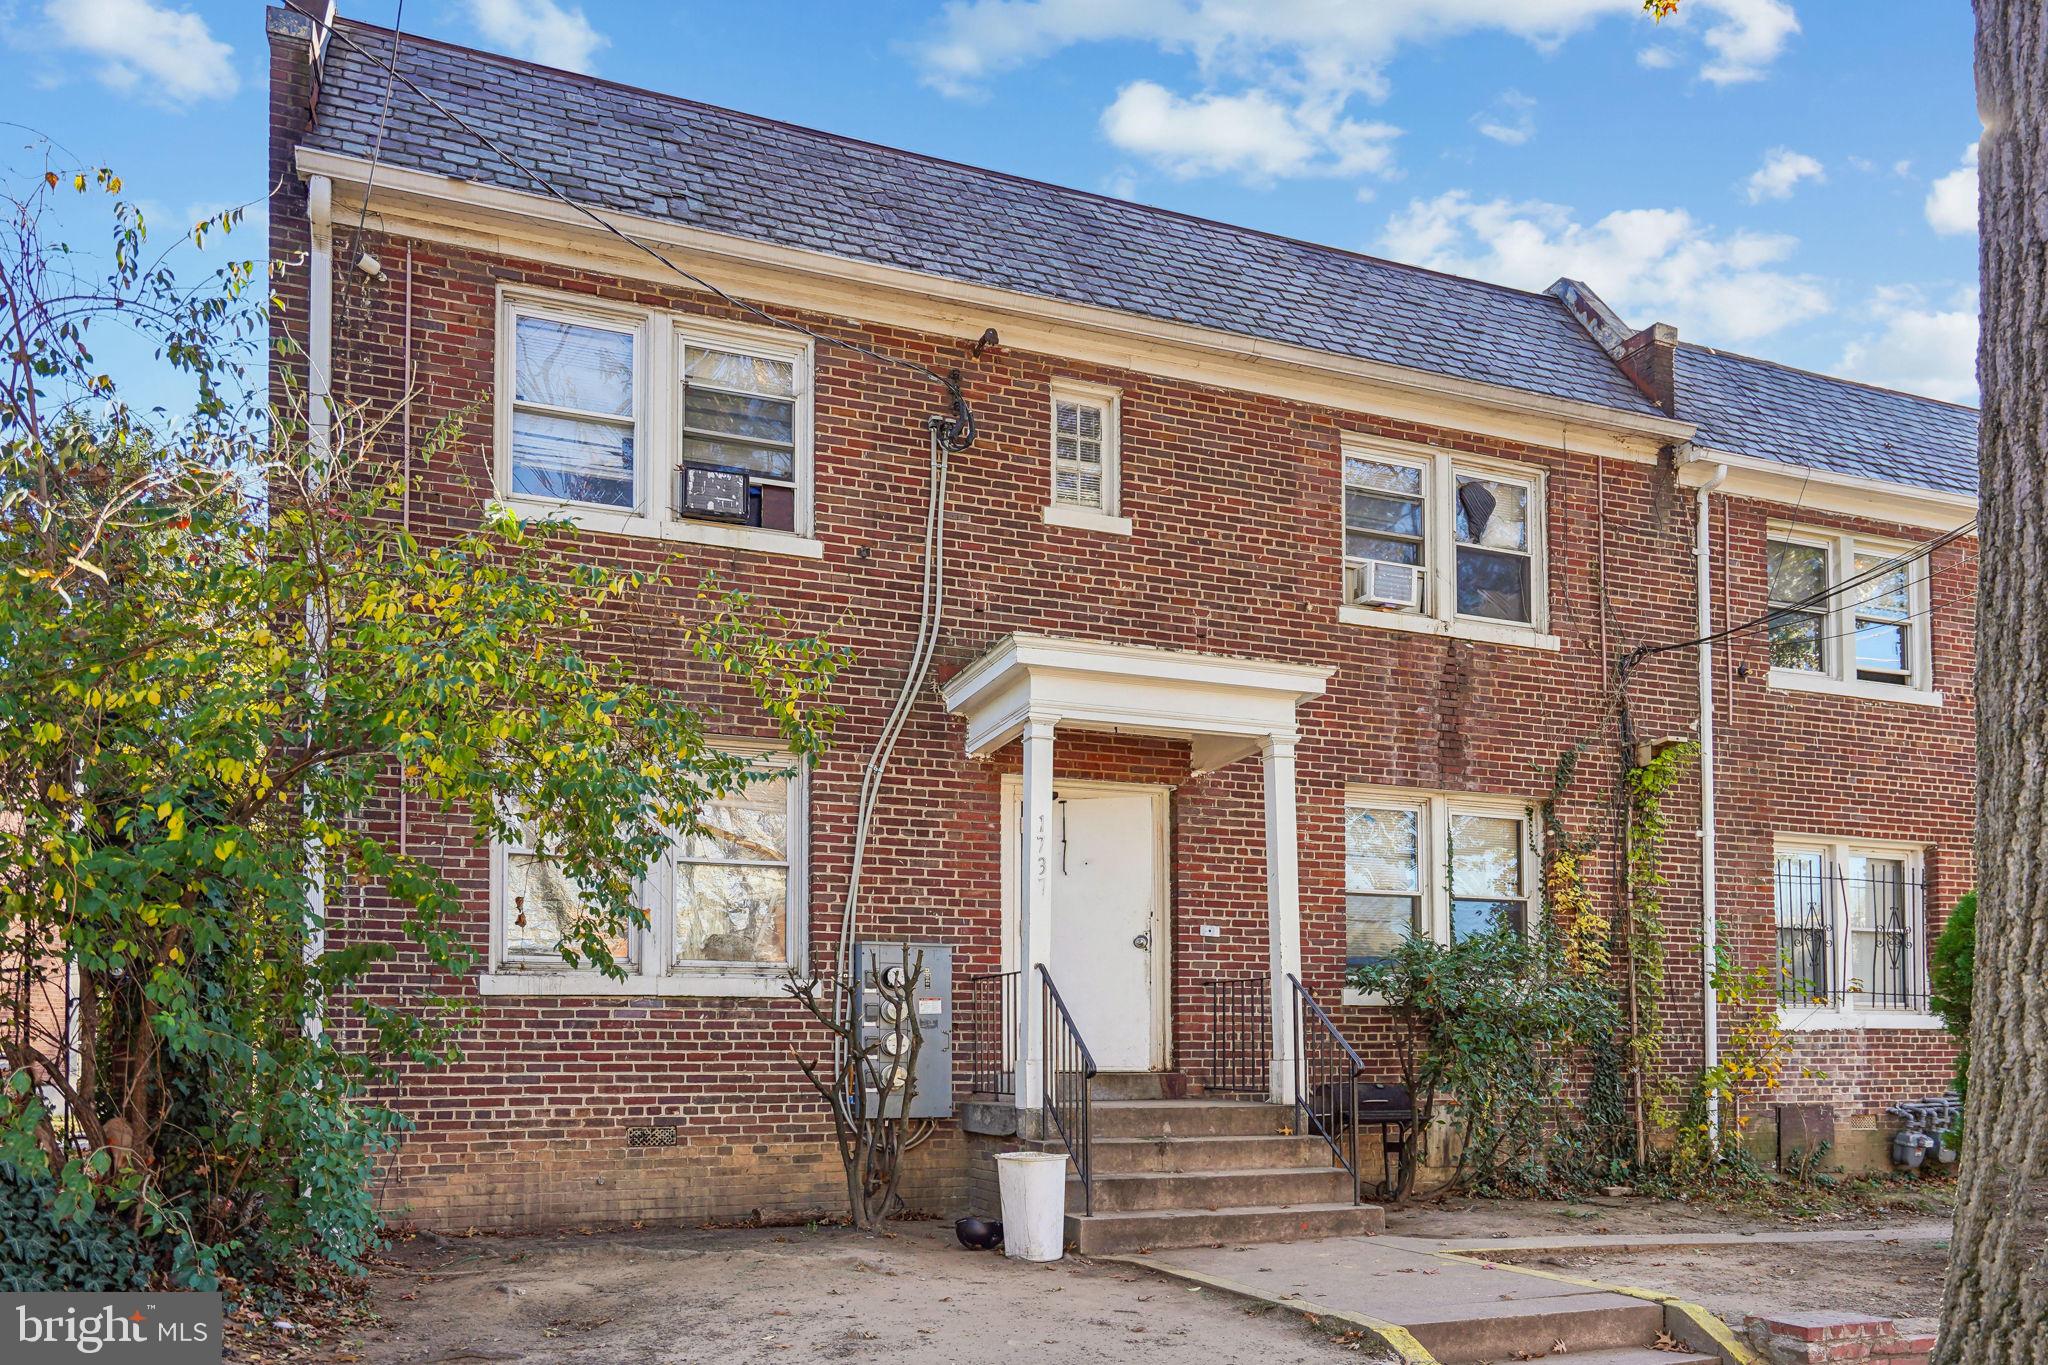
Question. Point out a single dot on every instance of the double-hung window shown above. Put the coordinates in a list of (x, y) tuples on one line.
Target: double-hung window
[(1851, 932), (643, 422), (1446, 866), (725, 906), (574, 404), (1443, 544), (1847, 614), (1086, 458)]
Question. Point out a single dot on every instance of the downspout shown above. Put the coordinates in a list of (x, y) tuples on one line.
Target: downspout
[(320, 318), (1703, 578)]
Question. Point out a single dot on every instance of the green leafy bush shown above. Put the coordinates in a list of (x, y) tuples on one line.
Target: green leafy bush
[(1491, 1024), (41, 1252), (1953, 976)]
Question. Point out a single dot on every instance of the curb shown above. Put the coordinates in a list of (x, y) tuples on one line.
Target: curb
[(1684, 1319), (1394, 1338)]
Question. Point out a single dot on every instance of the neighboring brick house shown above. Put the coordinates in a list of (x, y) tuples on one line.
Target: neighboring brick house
[(1274, 571)]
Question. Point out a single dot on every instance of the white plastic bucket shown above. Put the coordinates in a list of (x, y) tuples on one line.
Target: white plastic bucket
[(1034, 1186)]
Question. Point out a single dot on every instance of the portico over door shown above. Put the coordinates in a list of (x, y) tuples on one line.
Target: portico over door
[(1027, 687)]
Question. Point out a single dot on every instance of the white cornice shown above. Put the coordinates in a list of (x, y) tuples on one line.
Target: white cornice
[(534, 226), (1820, 490)]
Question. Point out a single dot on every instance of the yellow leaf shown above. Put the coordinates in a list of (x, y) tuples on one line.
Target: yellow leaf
[(224, 850), (177, 829)]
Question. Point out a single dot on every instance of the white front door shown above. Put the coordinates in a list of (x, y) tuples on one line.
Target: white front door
[(1106, 884)]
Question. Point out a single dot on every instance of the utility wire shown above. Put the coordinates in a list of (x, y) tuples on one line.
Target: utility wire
[(960, 429), (383, 114), (1824, 595)]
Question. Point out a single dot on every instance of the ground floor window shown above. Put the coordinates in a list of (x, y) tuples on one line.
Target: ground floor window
[(728, 901), (1446, 866), (1852, 926)]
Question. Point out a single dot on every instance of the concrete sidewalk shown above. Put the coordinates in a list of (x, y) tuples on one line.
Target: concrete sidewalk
[(1440, 1302)]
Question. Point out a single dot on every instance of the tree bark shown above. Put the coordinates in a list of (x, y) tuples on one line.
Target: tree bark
[(1995, 1308)]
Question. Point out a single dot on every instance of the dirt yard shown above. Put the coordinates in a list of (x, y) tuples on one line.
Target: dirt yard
[(1873, 1204), (732, 1296)]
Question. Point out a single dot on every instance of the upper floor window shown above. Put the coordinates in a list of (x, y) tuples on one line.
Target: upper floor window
[(1452, 544), (644, 422), (1852, 929), (1846, 611), (1442, 865), (1086, 458), (725, 908)]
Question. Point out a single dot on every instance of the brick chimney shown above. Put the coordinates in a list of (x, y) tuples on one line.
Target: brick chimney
[(1647, 357)]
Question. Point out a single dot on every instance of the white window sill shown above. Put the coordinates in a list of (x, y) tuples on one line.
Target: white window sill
[(1459, 628), (722, 534), (1352, 997), (547, 982), (1796, 680), (1864, 1020), (1086, 519)]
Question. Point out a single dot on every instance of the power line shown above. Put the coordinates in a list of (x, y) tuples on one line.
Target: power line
[(383, 114), (1822, 596), (960, 429)]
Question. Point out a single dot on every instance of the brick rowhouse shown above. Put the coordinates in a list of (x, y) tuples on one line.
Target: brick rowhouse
[(1235, 500)]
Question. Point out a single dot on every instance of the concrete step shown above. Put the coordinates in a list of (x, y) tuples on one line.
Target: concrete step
[(1190, 1118), (1632, 1355), (1277, 1187), (1107, 1233), (1138, 1085), (1120, 1156), (1587, 1322)]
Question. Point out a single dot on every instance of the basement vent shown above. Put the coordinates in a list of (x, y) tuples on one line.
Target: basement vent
[(655, 1135)]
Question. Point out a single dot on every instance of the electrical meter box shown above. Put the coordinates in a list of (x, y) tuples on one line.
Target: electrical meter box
[(885, 1035)]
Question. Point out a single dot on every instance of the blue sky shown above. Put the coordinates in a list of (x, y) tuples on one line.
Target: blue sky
[(1789, 178)]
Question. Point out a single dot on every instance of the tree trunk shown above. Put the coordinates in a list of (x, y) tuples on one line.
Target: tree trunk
[(1995, 1309)]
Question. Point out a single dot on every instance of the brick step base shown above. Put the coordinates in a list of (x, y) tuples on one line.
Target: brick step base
[(1107, 1233)]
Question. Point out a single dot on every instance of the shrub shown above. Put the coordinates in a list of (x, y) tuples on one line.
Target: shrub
[(1491, 1023), (41, 1252), (1953, 976)]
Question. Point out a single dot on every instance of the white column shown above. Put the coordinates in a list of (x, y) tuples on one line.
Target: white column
[(1034, 908), (1283, 906)]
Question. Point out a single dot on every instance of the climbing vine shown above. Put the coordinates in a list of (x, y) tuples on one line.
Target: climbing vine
[(1644, 787), (1582, 929)]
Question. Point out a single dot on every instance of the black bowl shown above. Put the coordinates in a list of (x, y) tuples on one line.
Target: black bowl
[(978, 1234)]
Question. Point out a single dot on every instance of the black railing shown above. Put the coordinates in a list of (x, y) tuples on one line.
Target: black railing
[(1068, 1068), (1236, 1041), (1326, 1081), (1856, 940), (988, 1022)]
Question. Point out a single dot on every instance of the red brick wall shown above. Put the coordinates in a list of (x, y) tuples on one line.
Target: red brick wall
[(1234, 499)]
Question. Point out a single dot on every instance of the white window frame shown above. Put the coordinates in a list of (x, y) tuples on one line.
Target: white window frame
[(1837, 674), (660, 337), (1834, 853), (651, 972), (1108, 518), (1436, 809), (1438, 614)]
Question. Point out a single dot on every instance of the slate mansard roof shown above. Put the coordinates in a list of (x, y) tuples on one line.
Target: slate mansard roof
[(673, 159)]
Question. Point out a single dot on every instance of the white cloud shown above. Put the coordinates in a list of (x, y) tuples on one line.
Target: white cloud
[(1746, 38), (1253, 135), (1781, 173), (1657, 58), (1918, 346), (1952, 200), (1511, 118), (1312, 57), (539, 31), (1653, 265), (167, 55)]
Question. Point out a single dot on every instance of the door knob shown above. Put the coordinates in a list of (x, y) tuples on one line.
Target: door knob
[(1143, 940)]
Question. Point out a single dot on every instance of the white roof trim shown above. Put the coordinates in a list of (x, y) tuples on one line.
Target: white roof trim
[(1821, 490), (396, 185)]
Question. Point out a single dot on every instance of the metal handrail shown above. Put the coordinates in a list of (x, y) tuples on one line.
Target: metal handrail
[(989, 1030), (1068, 1067), (1237, 1047), (1326, 1080)]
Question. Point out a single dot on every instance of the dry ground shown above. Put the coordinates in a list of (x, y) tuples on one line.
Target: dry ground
[(745, 1295)]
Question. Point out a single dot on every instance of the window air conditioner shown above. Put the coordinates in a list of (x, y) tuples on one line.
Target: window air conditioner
[(1383, 583)]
